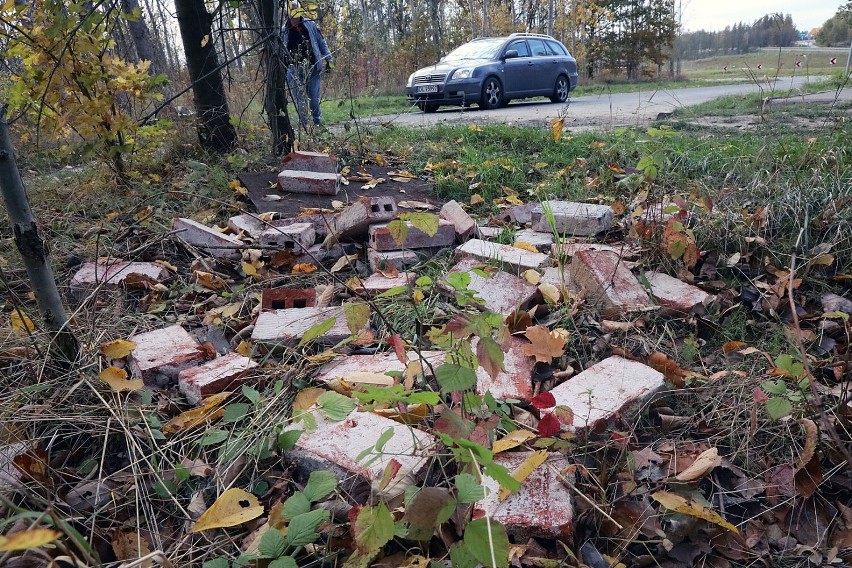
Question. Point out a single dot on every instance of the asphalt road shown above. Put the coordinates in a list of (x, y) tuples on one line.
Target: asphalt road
[(596, 111)]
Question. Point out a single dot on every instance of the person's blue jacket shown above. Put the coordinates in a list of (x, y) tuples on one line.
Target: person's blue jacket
[(318, 44)]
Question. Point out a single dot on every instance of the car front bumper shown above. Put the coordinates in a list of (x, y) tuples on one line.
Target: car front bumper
[(451, 93)]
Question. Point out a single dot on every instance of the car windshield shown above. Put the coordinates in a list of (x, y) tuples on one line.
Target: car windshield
[(482, 49)]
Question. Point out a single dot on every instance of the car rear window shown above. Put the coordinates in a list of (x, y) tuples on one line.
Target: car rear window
[(537, 47), (555, 48)]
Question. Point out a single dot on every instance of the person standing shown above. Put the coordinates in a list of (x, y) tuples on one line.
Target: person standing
[(307, 53)]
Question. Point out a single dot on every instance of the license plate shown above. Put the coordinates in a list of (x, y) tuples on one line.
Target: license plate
[(426, 89)]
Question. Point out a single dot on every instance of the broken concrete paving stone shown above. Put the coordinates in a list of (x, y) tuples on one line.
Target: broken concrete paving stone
[(464, 224), (608, 282), (336, 446), (314, 183), (515, 380), (510, 259), (218, 245), (573, 219), (543, 506), (614, 386), (298, 237), (503, 293), (675, 295), (381, 239), (290, 325), (114, 272), (310, 161), (162, 353), (378, 283), (220, 374), (541, 241)]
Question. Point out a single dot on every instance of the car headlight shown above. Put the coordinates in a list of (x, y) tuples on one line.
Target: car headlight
[(463, 73), (410, 80)]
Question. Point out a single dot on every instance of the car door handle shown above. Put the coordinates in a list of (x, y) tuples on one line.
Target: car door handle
[(529, 64)]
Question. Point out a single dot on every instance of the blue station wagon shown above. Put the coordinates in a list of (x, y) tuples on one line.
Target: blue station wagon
[(491, 71)]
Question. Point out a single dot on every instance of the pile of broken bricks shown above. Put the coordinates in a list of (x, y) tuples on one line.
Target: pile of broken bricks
[(555, 250)]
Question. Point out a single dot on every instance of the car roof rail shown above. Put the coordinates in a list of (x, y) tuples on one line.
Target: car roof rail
[(529, 34)]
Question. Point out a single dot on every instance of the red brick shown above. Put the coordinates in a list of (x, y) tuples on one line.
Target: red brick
[(288, 326), (503, 293), (572, 218), (675, 294), (512, 259), (215, 243), (381, 239), (354, 220), (541, 241), (376, 363), (400, 258), (310, 161), (614, 386), (543, 506), (608, 282), (286, 298), (297, 237), (376, 284), (515, 381), (336, 446), (161, 354), (113, 272), (464, 224), (315, 183), (228, 371)]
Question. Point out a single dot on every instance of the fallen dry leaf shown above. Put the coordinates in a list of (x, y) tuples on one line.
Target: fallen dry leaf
[(525, 246), (306, 398), (117, 380), (524, 470), (544, 344), (130, 545), (25, 540), (21, 322), (118, 349), (679, 504), (234, 507), (303, 268), (512, 440), (207, 412), (209, 280), (703, 464)]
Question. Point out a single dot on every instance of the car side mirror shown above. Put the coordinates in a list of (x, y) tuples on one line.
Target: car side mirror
[(511, 54)]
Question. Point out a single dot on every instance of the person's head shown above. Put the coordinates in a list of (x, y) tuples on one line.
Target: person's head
[(295, 12)]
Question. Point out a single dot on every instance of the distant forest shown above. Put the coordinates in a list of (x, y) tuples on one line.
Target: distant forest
[(772, 30)]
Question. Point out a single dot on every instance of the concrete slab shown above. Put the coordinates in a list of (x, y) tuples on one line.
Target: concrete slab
[(512, 259), (503, 293), (572, 218), (542, 508), (376, 363), (336, 446), (162, 353), (614, 386), (220, 374)]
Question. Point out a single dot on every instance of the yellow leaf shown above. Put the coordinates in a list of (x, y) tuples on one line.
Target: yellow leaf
[(209, 280), (476, 199), (380, 160), (369, 378), (234, 184), (117, 380), (544, 344), (234, 507), (512, 440), (306, 398), (244, 349), (678, 504), (24, 540), (144, 214), (118, 349), (532, 276), (703, 464), (540, 165), (417, 296), (207, 412), (550, 292), (249, 269), (514, 200), (525, 246), (524, 470), (21, 322), (556, 126), (598, 144), (303, 268), (823, 260)]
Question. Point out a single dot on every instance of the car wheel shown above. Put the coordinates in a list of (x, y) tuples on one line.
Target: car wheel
[(492, 94), (505, 102), (428, 107), (560, 90)]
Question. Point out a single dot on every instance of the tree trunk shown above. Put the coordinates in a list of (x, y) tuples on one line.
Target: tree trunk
[(435, 16), (141, 36), (33, 251), (216, 132), (275, 102)]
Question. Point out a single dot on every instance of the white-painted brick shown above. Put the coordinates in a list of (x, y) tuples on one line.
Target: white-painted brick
[(113, 272), (298, 237), (464, 224), (541, 241), (513, 259), (572, 218), (608, 282), (217, 244), (515, 381), (161, 354), (215, 376), (503, 293), (288, 326), (675, 294)]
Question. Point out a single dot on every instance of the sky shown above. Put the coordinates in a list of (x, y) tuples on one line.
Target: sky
[(713, 15)]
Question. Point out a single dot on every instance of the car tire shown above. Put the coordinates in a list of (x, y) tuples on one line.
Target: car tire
[(428, 107), (561, 90), (492, 94), (505, 102)]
